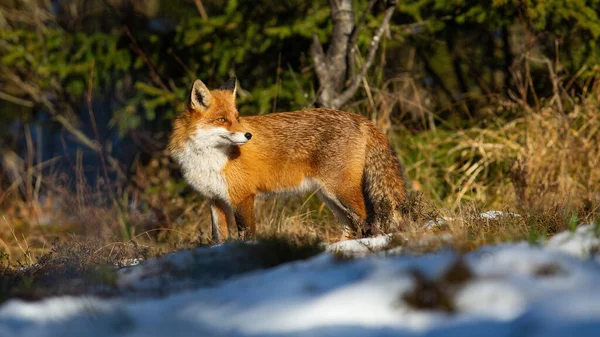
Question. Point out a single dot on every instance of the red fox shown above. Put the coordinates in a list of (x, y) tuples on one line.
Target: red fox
[(232, 160)]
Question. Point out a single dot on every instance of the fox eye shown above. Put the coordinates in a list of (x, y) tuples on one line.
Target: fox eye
[(222, 120)]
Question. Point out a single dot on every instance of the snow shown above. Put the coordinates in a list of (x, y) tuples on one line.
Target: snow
[(360, 247), (497, 214), (581, 243), (549, 289), (490, 215)]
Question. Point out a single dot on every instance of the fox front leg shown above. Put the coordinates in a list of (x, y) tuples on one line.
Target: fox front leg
[(222, 219), (244, 217)]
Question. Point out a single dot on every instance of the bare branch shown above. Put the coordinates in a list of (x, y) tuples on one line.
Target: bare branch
[(554, 79), (16, 100), (36, 95), (351, 90), (354, 38), (153, 70)]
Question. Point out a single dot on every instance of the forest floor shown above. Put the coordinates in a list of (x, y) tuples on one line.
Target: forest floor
[(366, 287)]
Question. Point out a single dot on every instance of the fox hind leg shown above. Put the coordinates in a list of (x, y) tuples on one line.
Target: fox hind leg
[(349, 209), (338, 211)]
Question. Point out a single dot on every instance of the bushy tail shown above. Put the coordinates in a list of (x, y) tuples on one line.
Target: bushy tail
[(384, 188)]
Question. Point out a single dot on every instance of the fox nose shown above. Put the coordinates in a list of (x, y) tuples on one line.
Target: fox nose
[(248, 135)]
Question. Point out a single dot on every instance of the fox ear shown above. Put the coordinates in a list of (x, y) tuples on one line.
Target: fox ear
[(200, 96), (230, 84)]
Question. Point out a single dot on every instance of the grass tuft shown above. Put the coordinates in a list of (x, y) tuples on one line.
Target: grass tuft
[(78, 267)]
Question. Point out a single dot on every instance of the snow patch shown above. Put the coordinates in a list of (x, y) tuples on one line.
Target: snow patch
[(490, 215), (584, 241), (361, 247), (512, 289)]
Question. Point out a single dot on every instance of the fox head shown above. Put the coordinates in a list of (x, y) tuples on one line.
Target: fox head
[(210, 120)]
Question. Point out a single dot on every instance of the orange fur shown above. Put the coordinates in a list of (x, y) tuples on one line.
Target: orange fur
[(333, 151)]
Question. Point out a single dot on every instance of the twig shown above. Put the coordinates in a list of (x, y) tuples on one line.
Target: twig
[(153, 72), (553, 79), (38, 182), (201, 9), (370, 98), (354, 38), (25, 252), (30, 172), (18, 179), (16, 100), (180, 62), (101, 152), (94, 126), (112, 244), (39, 98)]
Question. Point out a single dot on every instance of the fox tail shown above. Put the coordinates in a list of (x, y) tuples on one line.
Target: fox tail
[(383, 184)]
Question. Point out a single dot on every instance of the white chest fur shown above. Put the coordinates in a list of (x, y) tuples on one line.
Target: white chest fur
[(202, 169)]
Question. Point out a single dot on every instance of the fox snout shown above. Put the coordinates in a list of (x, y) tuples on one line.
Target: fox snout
[(240, 138)]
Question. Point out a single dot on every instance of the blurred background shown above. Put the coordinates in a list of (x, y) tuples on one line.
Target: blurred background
[(490, 105)]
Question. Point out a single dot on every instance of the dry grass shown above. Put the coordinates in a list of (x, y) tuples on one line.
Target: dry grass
[(547, 155), (77, 267), (83, 267), (541, 164)]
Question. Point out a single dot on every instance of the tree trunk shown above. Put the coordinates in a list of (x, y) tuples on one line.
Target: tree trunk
[(332, 68)]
